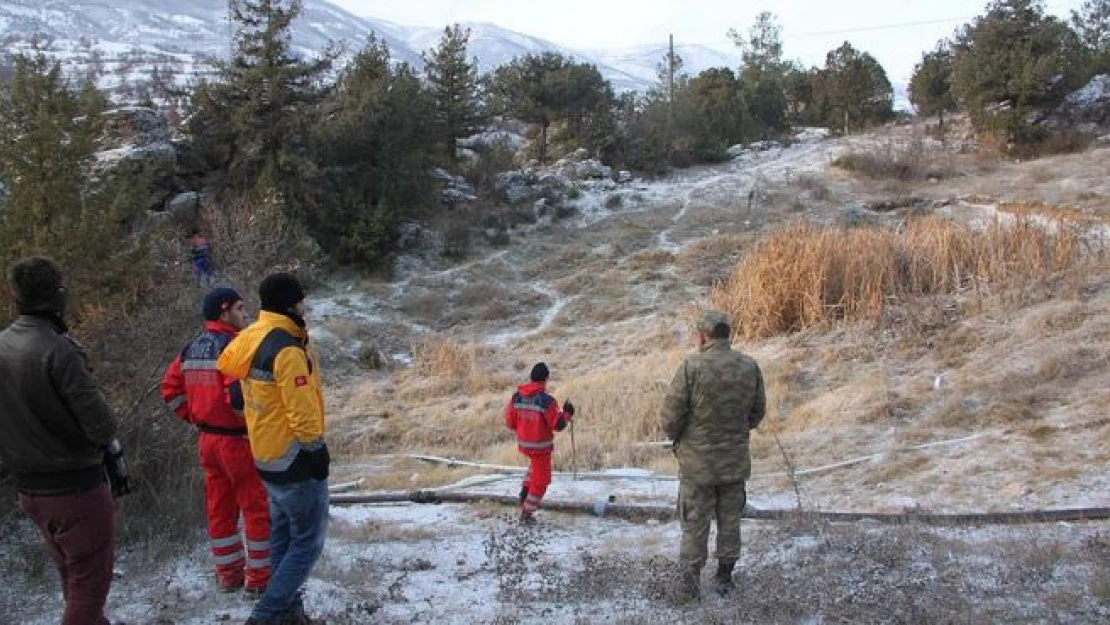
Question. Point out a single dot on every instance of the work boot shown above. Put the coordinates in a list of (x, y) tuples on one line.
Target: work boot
[(689, 585), (230, 586), (300, 618), (723, 579)]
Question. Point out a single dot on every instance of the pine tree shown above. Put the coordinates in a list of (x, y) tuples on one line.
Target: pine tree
[(263, 103), (1092, 22), (454, 85), (533, 88), (375, 147), (931, 84), (762, 77), (1001, 83), (54, 201), (46, 148), (857, 88)]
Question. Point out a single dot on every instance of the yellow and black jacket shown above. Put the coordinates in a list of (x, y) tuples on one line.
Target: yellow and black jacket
[(283, 402)]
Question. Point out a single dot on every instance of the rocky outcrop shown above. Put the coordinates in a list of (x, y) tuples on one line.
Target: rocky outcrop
[(135, 145), (456, 190), (1086, 110)]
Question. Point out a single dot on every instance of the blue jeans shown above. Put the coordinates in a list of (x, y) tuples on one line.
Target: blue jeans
[(298, 527)]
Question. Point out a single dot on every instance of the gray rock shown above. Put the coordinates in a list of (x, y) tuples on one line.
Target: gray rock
[(624, 176), (135, 144), (183, 203), (1086, 110), (132, 126)]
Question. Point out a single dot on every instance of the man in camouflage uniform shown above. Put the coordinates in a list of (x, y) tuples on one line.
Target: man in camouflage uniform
[(715, 399)]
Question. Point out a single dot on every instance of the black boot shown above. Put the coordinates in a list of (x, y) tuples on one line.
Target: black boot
[(689, 585), (523, 493), (723, 578)]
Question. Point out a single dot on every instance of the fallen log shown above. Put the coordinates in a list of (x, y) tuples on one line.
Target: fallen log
[(664, 513)]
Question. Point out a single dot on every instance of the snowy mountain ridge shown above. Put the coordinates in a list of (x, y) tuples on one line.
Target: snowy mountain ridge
[(124, 40)]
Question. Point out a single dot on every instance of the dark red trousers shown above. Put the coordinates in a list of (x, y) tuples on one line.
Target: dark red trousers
[(79, 531)]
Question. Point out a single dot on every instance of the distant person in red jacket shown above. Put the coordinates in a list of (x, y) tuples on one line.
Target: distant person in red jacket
[(200, 395), (535, 417)]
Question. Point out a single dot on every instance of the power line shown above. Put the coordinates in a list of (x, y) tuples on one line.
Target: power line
[(872, 28)]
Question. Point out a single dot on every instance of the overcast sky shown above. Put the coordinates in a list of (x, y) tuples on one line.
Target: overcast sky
[(896, 32)]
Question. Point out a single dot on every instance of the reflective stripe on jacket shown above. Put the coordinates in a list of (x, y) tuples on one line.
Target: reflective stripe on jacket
[(282, 398), (534, 416), (196, 391)]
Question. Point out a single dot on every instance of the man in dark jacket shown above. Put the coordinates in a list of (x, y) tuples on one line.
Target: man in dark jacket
[(714, 401), (55, 429)]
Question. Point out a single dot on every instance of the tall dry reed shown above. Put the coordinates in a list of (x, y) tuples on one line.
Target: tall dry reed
[(806, 275)]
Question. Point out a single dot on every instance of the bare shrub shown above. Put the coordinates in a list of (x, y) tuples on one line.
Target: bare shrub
[(806, 275), (513, 554), (251, 237), (815, 185), (895, 161), (887, 163)]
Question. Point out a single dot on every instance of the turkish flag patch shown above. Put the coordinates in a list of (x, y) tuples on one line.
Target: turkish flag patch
[(301, 380)]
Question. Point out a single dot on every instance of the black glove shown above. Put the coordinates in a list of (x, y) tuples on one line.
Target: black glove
[(116, 467), (568, 407), (319, 461)]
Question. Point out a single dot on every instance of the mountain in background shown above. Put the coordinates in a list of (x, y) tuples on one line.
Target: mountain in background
[(124, 40), (494, 46), (644, 61)]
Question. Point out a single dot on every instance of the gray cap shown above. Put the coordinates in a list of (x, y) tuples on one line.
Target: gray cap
[(711, 319)]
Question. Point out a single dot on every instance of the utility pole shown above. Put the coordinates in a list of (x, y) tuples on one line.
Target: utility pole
[(670, 73), (670, 97)]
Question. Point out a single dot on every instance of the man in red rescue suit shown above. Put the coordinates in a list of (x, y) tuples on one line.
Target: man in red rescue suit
[(200, 395), (535, 417)]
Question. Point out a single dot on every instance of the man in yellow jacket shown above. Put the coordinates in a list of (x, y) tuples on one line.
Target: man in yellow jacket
[(284, 410)]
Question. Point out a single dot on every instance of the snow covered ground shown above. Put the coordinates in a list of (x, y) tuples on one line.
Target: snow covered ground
[(453, 563)]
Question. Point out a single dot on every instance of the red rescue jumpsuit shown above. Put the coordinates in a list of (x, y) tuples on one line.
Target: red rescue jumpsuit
[(200, 395), (535, 416)]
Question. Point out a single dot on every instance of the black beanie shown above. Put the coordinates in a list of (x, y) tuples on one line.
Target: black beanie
[(539, 373), (279, 292), (219, 301), (37, 284)]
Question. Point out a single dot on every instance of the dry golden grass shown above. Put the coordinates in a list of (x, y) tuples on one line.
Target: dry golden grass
[(444, 366), (1051, 211), (807, 275)]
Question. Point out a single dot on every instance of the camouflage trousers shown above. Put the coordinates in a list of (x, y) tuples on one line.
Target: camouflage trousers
[(698, 505)]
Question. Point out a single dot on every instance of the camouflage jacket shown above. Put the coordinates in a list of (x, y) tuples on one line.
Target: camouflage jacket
[(715, 399)]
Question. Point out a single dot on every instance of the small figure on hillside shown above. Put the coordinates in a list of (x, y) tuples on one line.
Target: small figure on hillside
[(198, 394), (714, 401), (284, 409), (57, 438), (200, 255), (535, 416)]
